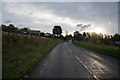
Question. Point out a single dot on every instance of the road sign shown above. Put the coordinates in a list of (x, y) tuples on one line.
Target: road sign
[(34, 33)]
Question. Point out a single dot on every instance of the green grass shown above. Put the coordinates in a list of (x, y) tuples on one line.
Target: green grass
[(104, 49), (20, 53)]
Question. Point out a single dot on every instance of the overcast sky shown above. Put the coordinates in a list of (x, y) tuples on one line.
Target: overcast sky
[(81, 16)]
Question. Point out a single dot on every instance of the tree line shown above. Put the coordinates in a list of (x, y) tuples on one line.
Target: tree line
[(96, 38), (12, 29), (57, 31), (91, 37)]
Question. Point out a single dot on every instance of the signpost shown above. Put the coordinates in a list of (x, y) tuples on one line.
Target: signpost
[(35, 33)]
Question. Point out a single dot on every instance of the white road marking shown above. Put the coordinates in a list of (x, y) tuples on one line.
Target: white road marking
[(87, 68), (98, 66), (77, 58), (100, 69), (69, 50), (95, 77)]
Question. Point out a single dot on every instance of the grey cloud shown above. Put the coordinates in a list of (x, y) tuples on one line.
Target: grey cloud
[(79, 25), (90, 11), (98, 13), (86, 25), (83, 27), (8, 21)]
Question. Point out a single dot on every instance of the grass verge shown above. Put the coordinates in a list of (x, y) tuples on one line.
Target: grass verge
[(104, 49), (20, 53)]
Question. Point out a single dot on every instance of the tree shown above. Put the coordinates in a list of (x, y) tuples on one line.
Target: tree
[(116, 37), (12, 28), (24, 30), (78, 36), (42, 34), (68, 37), (57, 30), (62, 37), (84, 34), (4, 27)]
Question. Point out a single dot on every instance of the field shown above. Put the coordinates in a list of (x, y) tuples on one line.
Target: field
[(104, 49), (20, 53)]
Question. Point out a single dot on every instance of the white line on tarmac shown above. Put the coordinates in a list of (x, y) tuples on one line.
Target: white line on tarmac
[(100, 69), (69, 50), (77, 58), (98, 66), (87, 68)]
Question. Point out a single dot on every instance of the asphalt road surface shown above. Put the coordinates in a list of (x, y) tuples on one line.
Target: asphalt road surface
[(70, 61)]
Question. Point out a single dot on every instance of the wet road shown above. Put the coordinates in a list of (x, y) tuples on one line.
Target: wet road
[(70, 61)]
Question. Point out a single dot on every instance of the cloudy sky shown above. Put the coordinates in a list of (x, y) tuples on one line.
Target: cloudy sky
[(71, 16)]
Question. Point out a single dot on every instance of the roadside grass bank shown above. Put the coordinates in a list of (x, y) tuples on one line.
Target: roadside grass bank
[(103, 49), (20, 53)]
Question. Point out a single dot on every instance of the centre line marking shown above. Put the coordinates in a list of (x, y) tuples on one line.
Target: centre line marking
[(77, 58), (69, 50), (98, 66), (87, 68), (100, 69)]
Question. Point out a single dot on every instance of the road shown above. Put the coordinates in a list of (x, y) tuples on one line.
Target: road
[(70, 61)]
